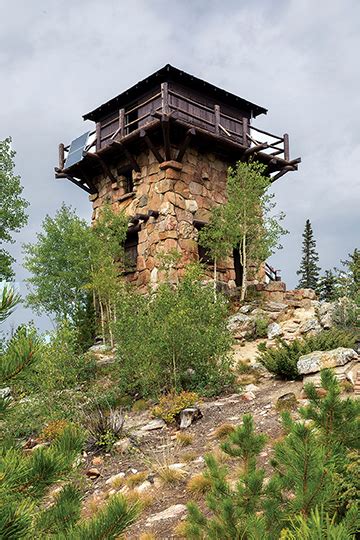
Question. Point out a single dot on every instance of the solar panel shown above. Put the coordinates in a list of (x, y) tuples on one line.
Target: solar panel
[(76, 151)]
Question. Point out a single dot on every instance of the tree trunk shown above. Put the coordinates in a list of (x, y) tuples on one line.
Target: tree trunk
[(215, 279), (102, 321), (244, 276)]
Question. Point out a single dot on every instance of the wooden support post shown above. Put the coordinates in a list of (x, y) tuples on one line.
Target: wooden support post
[(61, 156), (255, 149), (128, 154), (217, 119), (165, 98), (121, 123), (282, 172), (98, 136), (245, 131), (151, 146), (165, 124), (286, 147), (190, 133)]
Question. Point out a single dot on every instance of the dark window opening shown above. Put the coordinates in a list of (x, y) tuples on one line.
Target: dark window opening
[(131, 252), (128, 182), (131, 118), (238, 267), (203, 253)]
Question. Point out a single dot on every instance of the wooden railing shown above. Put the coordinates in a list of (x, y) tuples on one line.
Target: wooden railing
[(191, 111), (271, 273)]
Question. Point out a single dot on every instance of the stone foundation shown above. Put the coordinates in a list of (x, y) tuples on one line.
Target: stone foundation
[(183, 194)]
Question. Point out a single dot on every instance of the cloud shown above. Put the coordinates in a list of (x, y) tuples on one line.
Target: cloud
[(298, 59)]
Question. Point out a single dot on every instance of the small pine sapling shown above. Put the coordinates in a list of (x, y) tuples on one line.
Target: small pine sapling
[(234, 510)]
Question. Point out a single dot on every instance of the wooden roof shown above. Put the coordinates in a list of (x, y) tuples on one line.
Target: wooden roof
[(170, 73)]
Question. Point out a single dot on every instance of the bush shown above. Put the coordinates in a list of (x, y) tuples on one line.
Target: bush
[(261, 326), (104, 427), (174, 339), (282, 359), (171, 405)]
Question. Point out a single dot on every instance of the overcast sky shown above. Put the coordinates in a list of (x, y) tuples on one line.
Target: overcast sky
[(298, 58)]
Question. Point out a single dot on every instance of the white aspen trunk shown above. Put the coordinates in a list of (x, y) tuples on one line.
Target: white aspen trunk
[(102, 321), (108, 308), (215, 278), (244, 276)]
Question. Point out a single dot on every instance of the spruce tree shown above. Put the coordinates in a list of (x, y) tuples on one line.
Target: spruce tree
[(327, 286), (309, 270)]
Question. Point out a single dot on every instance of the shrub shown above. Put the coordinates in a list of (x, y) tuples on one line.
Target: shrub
[(104, 427), (199, 484), (261, 326), (52, 430), (136, 479), (175, 338), (184, 439), (171, 405), (170, 475), (282, 359), (223, 431)]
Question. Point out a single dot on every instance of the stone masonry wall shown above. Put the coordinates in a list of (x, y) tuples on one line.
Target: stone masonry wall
[(182, 193)]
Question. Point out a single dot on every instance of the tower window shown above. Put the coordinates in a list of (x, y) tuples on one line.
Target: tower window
[(131, 252)]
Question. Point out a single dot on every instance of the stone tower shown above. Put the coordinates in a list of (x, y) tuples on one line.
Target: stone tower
[(160, 151)]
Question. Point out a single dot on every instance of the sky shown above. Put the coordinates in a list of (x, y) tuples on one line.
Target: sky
[(297, 58)]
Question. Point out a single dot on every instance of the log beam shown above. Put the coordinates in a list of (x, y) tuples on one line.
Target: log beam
[(165, 125), (128, 154), (189, 134), (151, 146), (254, 149), (283, 171), (104, 166)]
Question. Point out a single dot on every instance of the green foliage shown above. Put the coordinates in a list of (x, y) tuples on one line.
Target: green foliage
[(304, 498), (108, 523), (261, 326), (60, 265), (61, 515), (346, 314), (172, 404), (12, 206), (327, 286), (174, 339), (309, 270), (21, 351), (337, 419), (282, 359), (104, 427), (9, 299), (319, 525), (244, 221)]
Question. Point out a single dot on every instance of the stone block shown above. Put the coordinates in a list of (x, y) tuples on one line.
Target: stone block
[(164, 185), (172, 164), (195, 188)]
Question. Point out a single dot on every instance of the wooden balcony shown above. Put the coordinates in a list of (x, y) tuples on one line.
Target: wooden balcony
[(194, 114)]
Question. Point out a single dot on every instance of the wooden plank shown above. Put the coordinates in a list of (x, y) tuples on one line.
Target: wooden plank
[(121, 123), (165, 98), (165, 125), (98, 136), (245, 130), (286, 147), (255, 149), (217, 119), (151, 146), (190, 133), (61, 156)]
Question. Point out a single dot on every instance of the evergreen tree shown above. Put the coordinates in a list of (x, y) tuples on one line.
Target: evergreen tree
[(309, 270), (327, 286)]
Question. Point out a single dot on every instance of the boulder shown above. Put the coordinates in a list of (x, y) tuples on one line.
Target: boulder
[(342, 373), (286, 401), (174, 511), (317, 360), (93, 473), (325, 313), (311, 325), (188, 416), (158, 423), (274, 330), (5, 392), (115, 479), (122, 445), (241, 324)]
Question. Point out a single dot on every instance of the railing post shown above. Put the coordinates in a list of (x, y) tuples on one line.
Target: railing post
[(286, 147), (98, 136), (121, 123), (61, 156), (217, 119), (245, 131), (165, 98)]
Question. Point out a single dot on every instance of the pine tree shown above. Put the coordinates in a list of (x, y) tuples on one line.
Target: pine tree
[(309, 270), (327, 286)]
